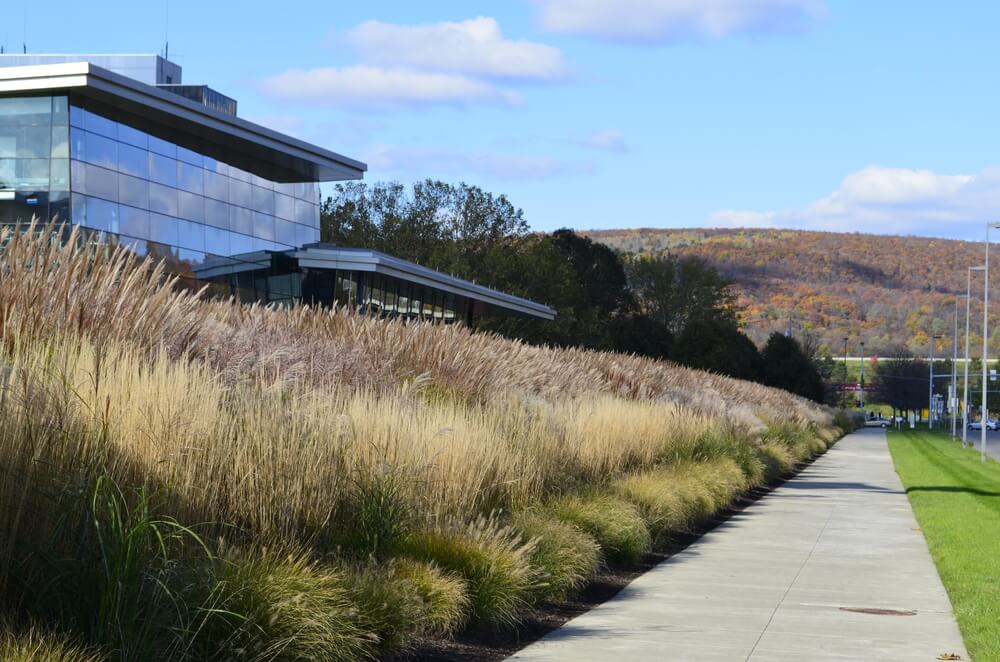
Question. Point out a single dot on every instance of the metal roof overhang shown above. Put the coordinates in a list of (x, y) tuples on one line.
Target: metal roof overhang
[(325, 256), (256, 148)]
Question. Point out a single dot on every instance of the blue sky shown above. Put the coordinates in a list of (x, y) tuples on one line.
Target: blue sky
[(840, 115)]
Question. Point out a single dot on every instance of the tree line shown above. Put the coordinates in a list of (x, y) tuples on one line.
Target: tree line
[(902, 381), (663, 306)]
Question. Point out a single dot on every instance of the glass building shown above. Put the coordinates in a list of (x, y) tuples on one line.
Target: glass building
[(170, 171)]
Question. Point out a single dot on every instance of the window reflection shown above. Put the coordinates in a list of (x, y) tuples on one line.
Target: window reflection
[(159, 197)]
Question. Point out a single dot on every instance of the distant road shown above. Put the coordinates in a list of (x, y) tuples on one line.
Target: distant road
[(992, 442), (877, 358)]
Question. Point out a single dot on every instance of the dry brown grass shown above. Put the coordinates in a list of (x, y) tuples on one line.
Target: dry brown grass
[(261, 425)]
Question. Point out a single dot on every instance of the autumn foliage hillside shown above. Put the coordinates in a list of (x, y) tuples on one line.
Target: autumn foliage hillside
[(885, 290)]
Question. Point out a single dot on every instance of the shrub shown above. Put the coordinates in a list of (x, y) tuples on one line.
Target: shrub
[(35, 645), (565, 555), (492, 559), (616, 524), (272, 606)]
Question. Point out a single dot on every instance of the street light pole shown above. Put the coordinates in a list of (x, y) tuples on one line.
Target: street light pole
[(843, 387), (986, 310), (965, 387), (930, 382), (953, 394), (862, 375)]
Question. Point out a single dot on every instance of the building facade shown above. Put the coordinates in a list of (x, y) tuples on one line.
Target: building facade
[(170, 171)]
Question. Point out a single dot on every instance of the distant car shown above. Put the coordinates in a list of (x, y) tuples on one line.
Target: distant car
[(991, 424)]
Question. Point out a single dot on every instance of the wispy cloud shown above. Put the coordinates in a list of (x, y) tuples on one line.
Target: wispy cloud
[(661, 20), (608, 140), (434, 162), (476, 47), (404, 66), (379, 88), (889, 200)]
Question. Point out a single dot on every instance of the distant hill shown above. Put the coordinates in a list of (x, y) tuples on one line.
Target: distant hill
[(880, 289)]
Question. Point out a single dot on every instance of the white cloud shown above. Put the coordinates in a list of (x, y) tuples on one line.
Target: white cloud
[(890, 200), (608, 140), (372, 87), (733, 218), (657, 20), (475, 47), (433, 162)]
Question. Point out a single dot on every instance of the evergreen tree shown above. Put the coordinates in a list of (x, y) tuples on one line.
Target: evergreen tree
[(787, 366), (719, 347)]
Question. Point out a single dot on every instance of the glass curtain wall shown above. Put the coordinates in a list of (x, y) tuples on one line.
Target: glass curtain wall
[(128, 186), (145, 189), (34, 158)]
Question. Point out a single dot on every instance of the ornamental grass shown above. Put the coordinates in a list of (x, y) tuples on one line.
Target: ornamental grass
[(271, 483)]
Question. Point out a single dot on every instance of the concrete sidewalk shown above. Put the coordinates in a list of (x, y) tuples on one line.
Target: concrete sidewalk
[(771, 583)]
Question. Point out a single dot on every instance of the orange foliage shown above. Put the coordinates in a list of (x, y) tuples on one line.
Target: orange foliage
[(884, 290)]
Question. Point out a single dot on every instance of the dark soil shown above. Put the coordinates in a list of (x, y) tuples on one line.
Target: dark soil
[(489, 645)]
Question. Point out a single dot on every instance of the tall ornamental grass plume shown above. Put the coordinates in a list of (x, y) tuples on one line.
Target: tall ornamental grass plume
[(54, 282), (184, 477)]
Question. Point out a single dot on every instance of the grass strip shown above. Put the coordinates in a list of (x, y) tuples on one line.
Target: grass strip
[(956, 499)]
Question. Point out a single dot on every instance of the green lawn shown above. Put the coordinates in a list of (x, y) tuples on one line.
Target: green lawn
[(957, 502)]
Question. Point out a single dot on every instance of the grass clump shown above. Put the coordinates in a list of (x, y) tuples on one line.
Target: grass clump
[(444, 596), (954, 497), (268, 605), (37, 645), (402, 599), (674, 499), (615, 523), (389, 606), (565, 555), (778, 459), (492, 559), (801, 441)]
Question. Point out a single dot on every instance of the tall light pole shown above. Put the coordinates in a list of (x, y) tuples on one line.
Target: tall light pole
[(986, 310), (965, 388), (953, 393), (862, 374), (930, 380), (843, 387)]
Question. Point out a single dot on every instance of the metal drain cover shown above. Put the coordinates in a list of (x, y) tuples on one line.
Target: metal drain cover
[(880, 612)]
